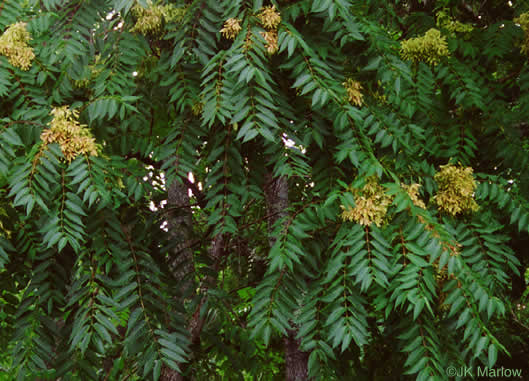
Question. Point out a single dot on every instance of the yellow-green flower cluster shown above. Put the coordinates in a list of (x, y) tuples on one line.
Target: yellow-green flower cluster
[(271, 41), (413, 192), (270, 19), (456, 189), (428, 48), (172, 13), (149, 21), (231, 28), (14, 45), (354, 94), (444, 20), (73, 138), (372, 204), (523, 20)]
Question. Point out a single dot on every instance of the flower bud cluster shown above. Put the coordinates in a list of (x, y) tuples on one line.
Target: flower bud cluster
[(354, 94), (371, 204), (413, 192), (270, 19), (150, 21), (429, 48), (172, 13), (73, 138), (456, 189), (271, 41), (444, 20), (14, 45), (231, 28)]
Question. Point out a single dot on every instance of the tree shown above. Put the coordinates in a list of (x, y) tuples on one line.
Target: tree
[(245, 190)]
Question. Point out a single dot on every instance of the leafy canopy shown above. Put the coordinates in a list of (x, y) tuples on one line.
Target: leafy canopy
[(399, 127)]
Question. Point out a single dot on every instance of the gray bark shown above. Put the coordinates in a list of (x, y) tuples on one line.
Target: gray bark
[(276, 195), (180, 225), (182, 266), (180, 228), (296, 361)]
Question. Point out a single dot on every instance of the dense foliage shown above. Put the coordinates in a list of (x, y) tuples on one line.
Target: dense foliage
[(233, 189)]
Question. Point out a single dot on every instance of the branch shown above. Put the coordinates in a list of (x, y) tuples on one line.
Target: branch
[(510, 76), (516, 320)]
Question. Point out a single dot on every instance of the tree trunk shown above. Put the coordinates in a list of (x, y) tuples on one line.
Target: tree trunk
[(182, 265), (276, 194), (180, 225), (296, 361)]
